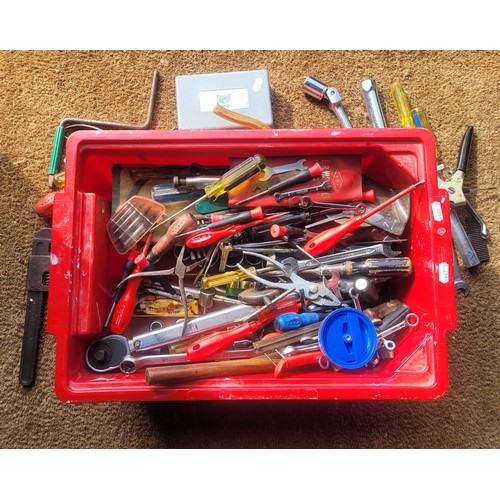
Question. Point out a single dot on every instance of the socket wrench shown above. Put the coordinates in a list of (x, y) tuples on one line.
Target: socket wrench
[(320, 91)]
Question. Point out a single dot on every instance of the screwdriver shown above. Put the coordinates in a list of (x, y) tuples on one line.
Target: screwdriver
[(228, 181), (229, 220), (421, 121), (127, 270), (329, 238), (208, 346), (386, 267), (205, 237), (402, 105), (298, 178), (291, 321), (182, 224)]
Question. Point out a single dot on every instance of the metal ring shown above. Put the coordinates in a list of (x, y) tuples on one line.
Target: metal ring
[(412, 319), (156, 325), (390, 345), (324, 363)]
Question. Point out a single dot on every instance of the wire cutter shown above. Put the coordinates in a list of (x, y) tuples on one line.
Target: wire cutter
[(316, 292)]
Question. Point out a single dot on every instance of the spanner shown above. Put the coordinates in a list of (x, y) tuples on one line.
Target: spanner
[(410, 320), (325, 186), (381, 248), (263, 182)]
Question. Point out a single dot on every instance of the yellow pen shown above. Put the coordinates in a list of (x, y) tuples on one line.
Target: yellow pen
[(402, 105)]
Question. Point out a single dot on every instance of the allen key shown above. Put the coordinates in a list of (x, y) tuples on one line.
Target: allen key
[(66, 123)]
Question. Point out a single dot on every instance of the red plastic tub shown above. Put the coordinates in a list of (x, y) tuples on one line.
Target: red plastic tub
[(85, 267)]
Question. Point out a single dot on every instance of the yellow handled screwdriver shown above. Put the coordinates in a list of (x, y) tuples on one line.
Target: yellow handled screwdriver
[(228, 181), (402, 105)]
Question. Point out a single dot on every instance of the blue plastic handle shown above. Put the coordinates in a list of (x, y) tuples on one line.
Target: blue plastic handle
[(291, 321)]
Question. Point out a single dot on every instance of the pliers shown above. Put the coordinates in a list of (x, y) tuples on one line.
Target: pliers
[(316, 292)]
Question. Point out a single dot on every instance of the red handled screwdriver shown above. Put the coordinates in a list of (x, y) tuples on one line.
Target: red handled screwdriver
[(205, 237), (302, 176), (329, 238), (219, 221), (208, 346)]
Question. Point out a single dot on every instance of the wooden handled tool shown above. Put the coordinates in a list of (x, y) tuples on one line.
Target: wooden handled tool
[(179, 373)]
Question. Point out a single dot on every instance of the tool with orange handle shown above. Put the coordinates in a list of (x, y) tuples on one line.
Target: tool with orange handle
[(329, 238), (181, 225), (125, 306)]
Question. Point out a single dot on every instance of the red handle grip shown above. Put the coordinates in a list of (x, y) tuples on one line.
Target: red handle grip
[(304, 359), (329, 238), (209, 346), (125, 307)]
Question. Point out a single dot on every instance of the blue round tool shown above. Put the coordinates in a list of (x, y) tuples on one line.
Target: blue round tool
[(348, 338)]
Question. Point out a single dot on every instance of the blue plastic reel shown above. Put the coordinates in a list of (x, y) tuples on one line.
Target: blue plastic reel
[(348, 338)]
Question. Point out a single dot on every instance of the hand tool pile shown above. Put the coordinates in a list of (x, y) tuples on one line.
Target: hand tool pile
[(285, 263), (271, 282)]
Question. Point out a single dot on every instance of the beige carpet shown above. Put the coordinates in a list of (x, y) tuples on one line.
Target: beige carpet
[(38, 89)]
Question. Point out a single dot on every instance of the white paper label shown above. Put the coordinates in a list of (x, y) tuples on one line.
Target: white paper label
[(230, 99), (437, 211), (257, 84), (444, 272)]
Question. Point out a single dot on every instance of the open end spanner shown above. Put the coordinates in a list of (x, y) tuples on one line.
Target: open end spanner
[(269, 172)]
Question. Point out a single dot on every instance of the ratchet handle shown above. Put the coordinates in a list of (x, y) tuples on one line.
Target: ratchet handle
[(296, 361), (464, 151), (180, 373)]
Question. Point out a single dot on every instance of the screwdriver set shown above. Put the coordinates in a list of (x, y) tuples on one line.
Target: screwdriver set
[(289, 264)]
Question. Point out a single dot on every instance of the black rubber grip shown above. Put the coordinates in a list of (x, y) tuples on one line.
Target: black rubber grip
[(464, 151)]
